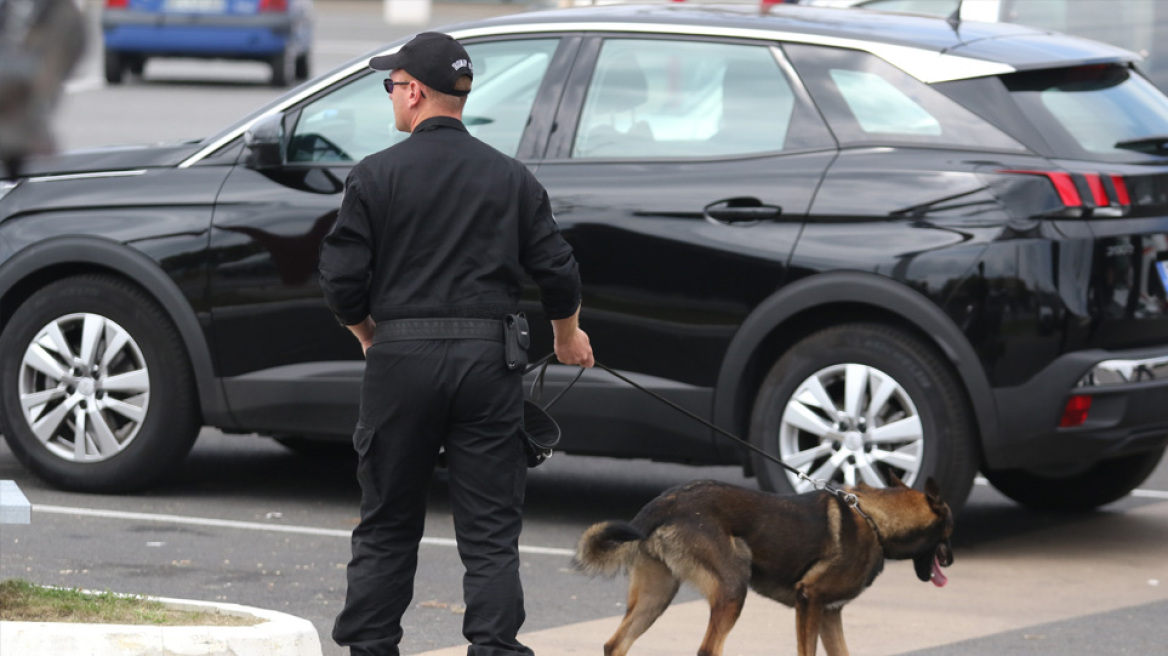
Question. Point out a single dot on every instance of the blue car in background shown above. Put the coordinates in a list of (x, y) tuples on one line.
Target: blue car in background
[(278, 32)]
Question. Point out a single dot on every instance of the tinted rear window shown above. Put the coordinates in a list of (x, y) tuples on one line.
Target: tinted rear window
[(1104, 112)]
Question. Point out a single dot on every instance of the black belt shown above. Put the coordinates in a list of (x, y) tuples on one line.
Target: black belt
[(405, 330)]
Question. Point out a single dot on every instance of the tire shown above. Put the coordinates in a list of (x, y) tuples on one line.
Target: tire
[(304, 66), (115, 67), (131, 395), (283, 69), (136, 65), (1106, 481), (908, 415)]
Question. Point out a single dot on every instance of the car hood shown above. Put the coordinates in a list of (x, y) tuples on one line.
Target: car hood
[(110, 159)]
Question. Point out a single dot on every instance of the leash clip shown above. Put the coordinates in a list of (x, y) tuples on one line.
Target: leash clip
[(817, 483)]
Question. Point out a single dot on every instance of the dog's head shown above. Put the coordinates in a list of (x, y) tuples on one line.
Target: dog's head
[(917, 525)]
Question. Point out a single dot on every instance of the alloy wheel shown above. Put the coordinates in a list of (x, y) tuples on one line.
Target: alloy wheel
[(851, 423), (84, 387)]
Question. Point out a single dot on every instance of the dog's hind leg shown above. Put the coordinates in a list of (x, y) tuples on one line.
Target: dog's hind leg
[(832, 632), (726, 602), (651, 589), (721, 571), (808, 615)]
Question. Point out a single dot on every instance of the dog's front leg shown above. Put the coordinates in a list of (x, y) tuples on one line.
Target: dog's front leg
[(808, 614), (832, 632)]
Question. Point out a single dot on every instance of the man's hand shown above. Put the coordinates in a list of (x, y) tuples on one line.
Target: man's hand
[(364, 333), (572, 345)]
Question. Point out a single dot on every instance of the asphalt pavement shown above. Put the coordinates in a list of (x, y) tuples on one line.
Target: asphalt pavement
[(246, 521)]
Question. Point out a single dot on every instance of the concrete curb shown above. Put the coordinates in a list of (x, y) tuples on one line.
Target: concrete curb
[(279, 634)]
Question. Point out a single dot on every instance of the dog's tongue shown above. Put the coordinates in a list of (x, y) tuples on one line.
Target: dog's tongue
[(939, 579)]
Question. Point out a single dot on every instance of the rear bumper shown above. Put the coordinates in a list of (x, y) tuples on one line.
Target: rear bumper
[(199, 35), (1129, 411)]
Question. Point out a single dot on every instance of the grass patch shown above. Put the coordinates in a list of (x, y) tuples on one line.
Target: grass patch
[(21, 601)]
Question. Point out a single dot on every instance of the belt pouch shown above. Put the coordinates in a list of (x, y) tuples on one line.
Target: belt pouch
[(516, 339)]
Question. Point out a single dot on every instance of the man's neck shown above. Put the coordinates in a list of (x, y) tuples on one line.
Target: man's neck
[(433, 113)]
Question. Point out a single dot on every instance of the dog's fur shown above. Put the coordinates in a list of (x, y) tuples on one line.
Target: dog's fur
[(811, 551)]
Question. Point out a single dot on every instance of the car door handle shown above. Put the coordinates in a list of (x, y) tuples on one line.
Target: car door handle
[(742, 210)]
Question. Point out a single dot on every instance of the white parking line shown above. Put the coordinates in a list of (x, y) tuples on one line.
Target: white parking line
[(337, 533), (254, 526), (1142, 494), (84, 84)]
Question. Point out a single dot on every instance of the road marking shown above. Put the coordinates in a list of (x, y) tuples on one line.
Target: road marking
[(1143, 494), (84, 84), (337, 533), (256, 526)]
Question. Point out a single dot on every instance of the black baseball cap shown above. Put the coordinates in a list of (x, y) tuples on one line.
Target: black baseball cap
[(434, 58)]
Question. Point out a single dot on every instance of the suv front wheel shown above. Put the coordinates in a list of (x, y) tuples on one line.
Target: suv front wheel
[(96, 393), (859, 403)]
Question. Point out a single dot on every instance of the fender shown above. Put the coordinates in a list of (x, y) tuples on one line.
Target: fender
[(732, 402), (115, 256)]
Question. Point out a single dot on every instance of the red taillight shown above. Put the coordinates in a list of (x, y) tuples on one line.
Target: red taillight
[(273, 5), (117, 4), (1098, 193), (1121, 194), (1096, 184), (1075, 412), (1063, 184)]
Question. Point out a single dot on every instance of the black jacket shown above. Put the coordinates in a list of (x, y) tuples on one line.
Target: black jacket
[(443, 225)]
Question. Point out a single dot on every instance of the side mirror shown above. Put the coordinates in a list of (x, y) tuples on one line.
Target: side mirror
[(264, 142)]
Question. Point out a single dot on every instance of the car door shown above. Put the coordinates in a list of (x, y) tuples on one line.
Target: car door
[(287, 367), (681, 171)]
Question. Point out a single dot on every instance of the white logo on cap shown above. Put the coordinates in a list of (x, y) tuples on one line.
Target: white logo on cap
[(462, 63)]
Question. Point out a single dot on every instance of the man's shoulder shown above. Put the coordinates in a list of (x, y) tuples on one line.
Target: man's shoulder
[(385, 158)]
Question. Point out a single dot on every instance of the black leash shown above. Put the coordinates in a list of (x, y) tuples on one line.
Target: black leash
[(818, 483)]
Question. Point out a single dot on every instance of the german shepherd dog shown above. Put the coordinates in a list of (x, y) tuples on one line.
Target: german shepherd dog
[(812, 551)]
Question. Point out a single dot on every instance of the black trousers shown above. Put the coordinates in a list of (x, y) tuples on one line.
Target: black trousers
[(418, 396)]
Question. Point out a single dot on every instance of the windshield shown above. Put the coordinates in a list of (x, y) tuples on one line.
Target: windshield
[(1100, 112)]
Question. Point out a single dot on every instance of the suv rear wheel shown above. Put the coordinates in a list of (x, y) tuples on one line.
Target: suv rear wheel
[(857, 403), (95, 390), (1106, 481)]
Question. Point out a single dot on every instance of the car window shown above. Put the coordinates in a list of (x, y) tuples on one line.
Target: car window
[(508, 75), (356, 120), (868, 101), (655, 98), (1099, 112), (345, 125), (881, 108), (934, 7)]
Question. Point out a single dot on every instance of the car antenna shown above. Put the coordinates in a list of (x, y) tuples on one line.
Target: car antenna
[(954, 19)]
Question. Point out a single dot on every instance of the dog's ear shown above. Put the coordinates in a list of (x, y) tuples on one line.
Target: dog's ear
[(894, 480), (933, 493)]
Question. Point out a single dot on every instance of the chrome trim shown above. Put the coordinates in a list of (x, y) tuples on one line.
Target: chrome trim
[(6, 187), (1125, 372), (928, 66), (84, 176)]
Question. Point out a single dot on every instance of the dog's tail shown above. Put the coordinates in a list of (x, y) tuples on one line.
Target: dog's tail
[(608, 548)]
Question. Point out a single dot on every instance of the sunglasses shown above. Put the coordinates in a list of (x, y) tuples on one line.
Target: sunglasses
[(390, 84)]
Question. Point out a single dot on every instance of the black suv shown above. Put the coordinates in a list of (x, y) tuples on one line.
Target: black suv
[(874, 244)]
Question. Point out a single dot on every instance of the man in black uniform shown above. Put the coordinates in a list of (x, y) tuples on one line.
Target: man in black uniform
[(424, 262)]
